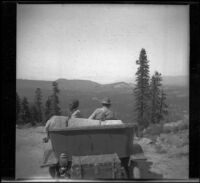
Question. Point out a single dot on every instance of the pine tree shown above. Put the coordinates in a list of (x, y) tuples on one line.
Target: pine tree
[(158, 97), (38, 105), (48, 108), (141, 91), (26, 115), (155, 94), (163, 108), (34, 113), (18, 108), (55, 109)]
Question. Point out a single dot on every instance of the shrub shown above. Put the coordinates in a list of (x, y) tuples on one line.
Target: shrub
[(154, 129), (184, 126), (167, 129), (175, 129), (160, 149)]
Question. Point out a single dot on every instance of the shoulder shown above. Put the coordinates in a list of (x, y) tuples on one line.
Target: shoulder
[(48, 122), (98, 110), (76, 113)]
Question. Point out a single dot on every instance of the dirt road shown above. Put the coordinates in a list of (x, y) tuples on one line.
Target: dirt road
[(29, 153), (167, 165), (29, 156)]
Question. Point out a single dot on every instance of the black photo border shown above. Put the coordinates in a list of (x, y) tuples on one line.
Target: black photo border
[(8, 79)]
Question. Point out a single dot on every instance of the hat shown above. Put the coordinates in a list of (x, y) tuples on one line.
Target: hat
[(106, 101), (74, 104)]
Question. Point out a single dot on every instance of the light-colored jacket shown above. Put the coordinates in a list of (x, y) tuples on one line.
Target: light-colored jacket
[(102, 114), (76, 114)]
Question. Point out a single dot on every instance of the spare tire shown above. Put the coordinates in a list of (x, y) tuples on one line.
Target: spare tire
[(54, 172)]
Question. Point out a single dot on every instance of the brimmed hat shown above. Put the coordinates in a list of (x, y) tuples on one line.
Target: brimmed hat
[(74, 103), (106, 101)]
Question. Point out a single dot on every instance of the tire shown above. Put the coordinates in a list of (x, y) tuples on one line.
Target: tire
[(134, 171), (53, 171), (125, 167), (124, 173)]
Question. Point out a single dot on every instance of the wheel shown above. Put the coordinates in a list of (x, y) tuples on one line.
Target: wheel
[(134, 171), (53, 171), (125, 168), (123, 173)]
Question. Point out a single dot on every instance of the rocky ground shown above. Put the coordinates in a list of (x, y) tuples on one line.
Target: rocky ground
[(167, 154)]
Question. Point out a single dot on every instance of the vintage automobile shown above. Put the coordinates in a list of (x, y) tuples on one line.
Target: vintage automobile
[(84, 148)]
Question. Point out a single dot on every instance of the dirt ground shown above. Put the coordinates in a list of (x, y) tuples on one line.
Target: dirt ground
[(29, 156), (168, 162), (29, 153)]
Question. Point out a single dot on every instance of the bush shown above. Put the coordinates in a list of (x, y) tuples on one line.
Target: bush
[(167, 129), (175, 144), (160, 149), (175, 126), (184, 126), (154, 129), (175, 129), (179, 151)]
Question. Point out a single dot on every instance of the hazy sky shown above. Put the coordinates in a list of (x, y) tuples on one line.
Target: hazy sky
[(100, 42)]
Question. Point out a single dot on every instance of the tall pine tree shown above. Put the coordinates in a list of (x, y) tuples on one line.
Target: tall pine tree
[(48, 112), (38, 105), (163, 108), (34, 114), (155, 93), (18, 108), (55, 109), (158, 97), (26, 115), (141, 91)]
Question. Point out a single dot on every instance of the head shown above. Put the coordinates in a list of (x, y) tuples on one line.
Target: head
[(106, 102), (74, 104)]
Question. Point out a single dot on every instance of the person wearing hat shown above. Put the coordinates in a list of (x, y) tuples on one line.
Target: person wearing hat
[(103, 113), (55, 122), (74, 111)]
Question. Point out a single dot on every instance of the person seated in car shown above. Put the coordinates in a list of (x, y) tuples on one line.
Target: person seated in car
[(105, 112), (74, 109), (55, 121)]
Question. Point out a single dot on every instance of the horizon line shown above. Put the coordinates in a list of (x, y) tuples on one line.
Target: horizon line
[(96, 81)]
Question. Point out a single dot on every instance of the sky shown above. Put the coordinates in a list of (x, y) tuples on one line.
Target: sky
[(100, 42)]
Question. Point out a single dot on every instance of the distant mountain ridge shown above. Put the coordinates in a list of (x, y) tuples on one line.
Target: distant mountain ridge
[(82, 85), (72, 85), (176, 80), (76, 84), (87, 87)]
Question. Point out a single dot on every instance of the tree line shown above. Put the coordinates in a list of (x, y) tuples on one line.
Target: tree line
[(35, 112), (150, 105)]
